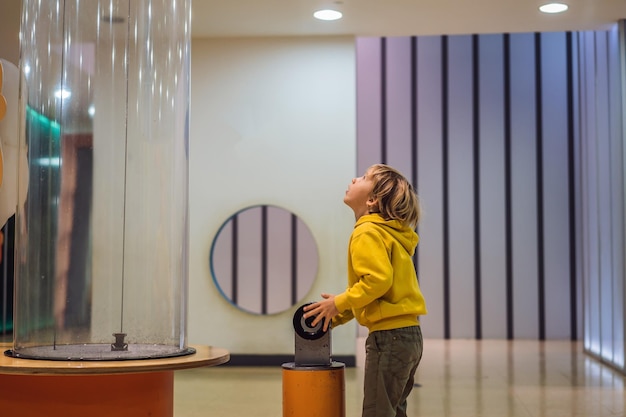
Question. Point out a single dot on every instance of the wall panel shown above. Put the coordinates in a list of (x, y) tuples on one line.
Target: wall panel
[(616, 127), (523, 187), (602, 163), (492, 131), (369, 62), (399, 111), (273, 123), (493, 261), (604, 190), (589, 194), (430, 181), (460, 185), (556, 237)]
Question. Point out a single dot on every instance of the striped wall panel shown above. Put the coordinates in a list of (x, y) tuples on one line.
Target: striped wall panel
[(482, 125), (602, 133)]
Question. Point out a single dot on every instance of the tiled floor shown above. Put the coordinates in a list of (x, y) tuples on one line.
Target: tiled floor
[(459, 378)]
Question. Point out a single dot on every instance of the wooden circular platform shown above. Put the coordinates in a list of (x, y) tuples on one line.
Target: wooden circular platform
[(129, 388), (204, 356)]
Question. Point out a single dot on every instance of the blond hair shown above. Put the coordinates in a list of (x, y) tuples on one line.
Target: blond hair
[(396, 197)]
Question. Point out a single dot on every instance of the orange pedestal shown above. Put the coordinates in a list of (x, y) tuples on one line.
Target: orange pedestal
[(134, 388), (125, 395), (314, 391)]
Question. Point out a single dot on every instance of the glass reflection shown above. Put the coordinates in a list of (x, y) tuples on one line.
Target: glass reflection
[(264, 259)]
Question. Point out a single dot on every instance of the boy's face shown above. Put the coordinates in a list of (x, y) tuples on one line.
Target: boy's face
[(359, 193)]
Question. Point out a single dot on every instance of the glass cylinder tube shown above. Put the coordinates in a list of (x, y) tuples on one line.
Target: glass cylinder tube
[(102, 238)]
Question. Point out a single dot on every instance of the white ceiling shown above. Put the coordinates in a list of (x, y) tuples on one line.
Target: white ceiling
[(217, 18), (252, 18)]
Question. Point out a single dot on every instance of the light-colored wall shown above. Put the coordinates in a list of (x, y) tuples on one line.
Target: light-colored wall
[(272, 122)]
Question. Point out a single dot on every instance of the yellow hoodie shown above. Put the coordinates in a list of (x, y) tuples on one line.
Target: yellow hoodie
[(383, 292)]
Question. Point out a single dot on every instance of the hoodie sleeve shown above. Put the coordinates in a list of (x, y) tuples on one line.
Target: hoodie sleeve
[(371, 273), (343, 318)]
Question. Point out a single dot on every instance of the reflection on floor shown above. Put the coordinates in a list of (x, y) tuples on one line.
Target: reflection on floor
[(457, 378)]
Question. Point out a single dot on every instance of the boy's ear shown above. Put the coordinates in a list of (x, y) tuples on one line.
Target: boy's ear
[(372, 202)]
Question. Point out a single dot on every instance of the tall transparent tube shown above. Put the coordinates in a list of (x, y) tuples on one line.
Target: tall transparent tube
[(101, 270)]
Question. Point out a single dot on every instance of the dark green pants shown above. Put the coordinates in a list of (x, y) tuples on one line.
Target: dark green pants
[(391, 359)]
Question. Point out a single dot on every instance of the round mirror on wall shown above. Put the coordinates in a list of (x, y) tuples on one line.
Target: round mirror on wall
[(264, 259)]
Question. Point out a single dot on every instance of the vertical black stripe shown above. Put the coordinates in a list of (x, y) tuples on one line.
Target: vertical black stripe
[(234, 260), (383, 100), (581, 169), (294, 259), (444, 154), (614, 183), (414, 110), (476, 175), (595, 187), (264, 243), (571, 186), (539, 181), (508, 186)]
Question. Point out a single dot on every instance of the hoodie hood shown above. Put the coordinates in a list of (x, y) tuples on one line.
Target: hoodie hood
[(403, 234)]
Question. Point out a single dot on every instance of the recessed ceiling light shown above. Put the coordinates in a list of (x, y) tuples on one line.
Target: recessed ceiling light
[(553, 8), (327, 14)]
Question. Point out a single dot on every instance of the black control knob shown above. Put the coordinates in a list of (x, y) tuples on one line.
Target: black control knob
[(304, 327)]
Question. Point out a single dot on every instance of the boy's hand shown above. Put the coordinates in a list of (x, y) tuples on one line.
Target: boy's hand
[(324, 309)]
